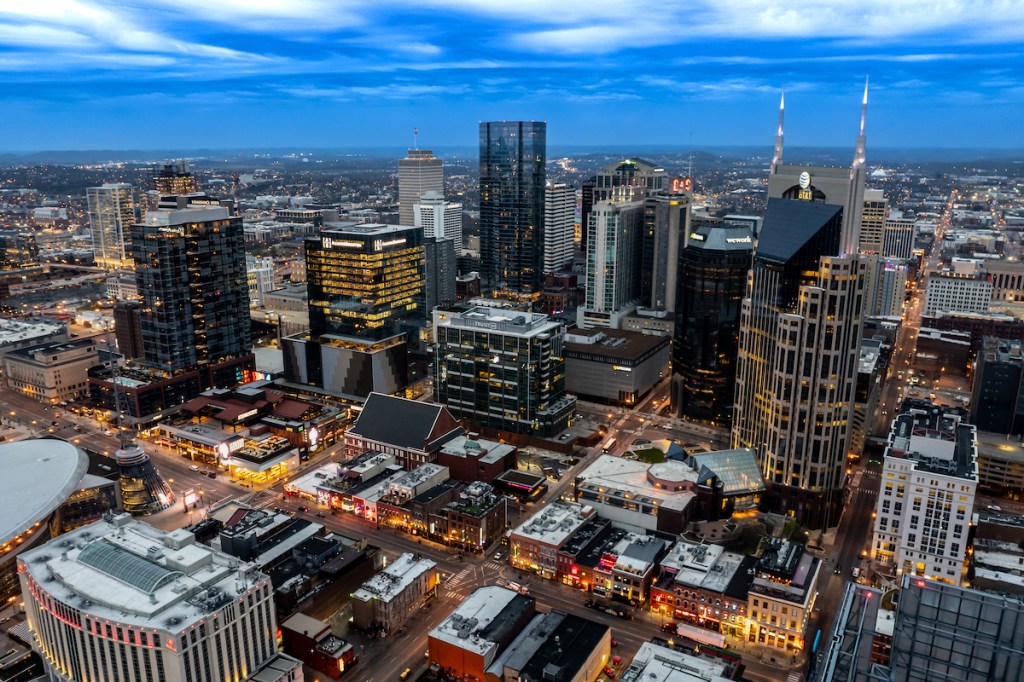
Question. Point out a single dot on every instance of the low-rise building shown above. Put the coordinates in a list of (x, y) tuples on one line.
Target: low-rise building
[(414, 432), (52, 372), (384, 602), (951, 294), (614, 366), (311, 641), (555, 647), (471, 458), (15, 334), (476, 518), (656, 663), (782, 595), (535, 544)]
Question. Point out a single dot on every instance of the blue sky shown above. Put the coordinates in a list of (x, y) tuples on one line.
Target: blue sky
[(90, 74)]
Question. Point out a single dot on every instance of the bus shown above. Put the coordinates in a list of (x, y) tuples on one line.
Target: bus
[(608, 444)]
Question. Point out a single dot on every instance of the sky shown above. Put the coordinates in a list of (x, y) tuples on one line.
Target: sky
[(165, 74)]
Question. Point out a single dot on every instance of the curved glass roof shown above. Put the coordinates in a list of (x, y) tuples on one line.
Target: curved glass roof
[(129, 568)]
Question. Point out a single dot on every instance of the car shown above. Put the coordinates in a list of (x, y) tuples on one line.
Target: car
[(405, 673), (838, 570), (108, 432), (212, 474), (321, 514), (193, 468), (855, 572), (609, 671), (303, 508)]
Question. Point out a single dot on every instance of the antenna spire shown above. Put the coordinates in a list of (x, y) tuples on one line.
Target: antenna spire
[(415, 138), (777, 156), (860, 155)]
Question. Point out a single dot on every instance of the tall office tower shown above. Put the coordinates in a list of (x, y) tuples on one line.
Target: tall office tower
[(113, 209), (418, 173), (997, 395), (614, 236), (174, 179), (712, 280), (872, 221), (559, 225), (885, 286), (800, 327), (898, 239), (190, 271), (926, 504), (363, 280), (666, 226), (438, 218), (441, 272), (365, 285), (643, 176), (502, 369), (512, 179), (120, 600)]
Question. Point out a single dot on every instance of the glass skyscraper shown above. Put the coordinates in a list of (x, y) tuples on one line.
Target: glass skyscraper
[(512, 179)]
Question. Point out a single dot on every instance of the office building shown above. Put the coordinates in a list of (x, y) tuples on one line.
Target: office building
[(643, 177), (502, 369), (418, 173), (997, 395), (885, 286), (439, 218), (18, 250), (113, 209), (951, 294), (898, 239), (559, 226), (799, 337), (440, 273), (925, 506), (365, 286), (1007, 280), (712, 280), (513, 155), (174, 179), (53, 372), (613, 366), (613, 259), (872, 222), (190, 269), (128, 329), (312, 641), (119, 599), (665, 233), (936, 633)]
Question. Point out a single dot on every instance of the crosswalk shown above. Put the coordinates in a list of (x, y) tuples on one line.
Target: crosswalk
[(452, 594), (459, 577), (492, 566)]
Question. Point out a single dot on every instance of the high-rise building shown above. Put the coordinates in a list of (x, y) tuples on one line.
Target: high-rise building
[(113, 209), (872, 221), (898, 239), (666, 226), (885, 286), (502, 369), (120, 600), (259, 272), (997, 396), (559, 225), (363, 280), (438, 218), (190, 270), (712, 281), (174, 179), (512, 180), (128, 329), (441, 271), (800, 330), (614, 234), (643, 176), (418, 173), (17, 249), (366, 293), (925, 506)]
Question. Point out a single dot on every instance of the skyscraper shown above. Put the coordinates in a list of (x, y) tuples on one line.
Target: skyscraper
[(666, 226), (800, 329), (113, 209), (559, 217), (418, 173), (512, 179), (872, 221), (174, 179), (190, 271), (898, 239), (614, 234), (438, 218), (637, 173), (712, 280)]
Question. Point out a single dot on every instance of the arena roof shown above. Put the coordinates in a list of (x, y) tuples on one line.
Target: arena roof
[(38, 475)]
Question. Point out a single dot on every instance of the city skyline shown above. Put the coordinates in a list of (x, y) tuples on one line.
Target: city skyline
[(98, 75)]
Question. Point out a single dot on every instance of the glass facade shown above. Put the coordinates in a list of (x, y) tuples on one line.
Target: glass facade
[(712, 283), (512, 179), (190, 270), (363, 280), (113, 209)]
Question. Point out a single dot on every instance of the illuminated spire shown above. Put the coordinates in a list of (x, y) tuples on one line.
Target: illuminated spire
[(777, 156), (860, 155)]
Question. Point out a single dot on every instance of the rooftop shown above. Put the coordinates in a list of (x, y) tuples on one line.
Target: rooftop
[(402, 422), (737, 469), (466, 446), (612, 343), (655, 663), (555, 523), (727, 237), (479, 621), (789, 224), (16, 331), (38, 475), (936, 440), (126, 570), (395, 578), (634, 479), (500, 320)]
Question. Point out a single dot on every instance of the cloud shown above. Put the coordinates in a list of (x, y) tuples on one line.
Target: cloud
[(424, 49)]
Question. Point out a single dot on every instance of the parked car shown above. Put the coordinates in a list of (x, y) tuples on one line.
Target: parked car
[(609, 671), (193, 468)]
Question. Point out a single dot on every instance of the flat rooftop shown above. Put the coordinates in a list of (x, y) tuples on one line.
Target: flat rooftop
[(395, 578), (38, 475), (637, 479), (655, 663), (470, 625), (555, 523)]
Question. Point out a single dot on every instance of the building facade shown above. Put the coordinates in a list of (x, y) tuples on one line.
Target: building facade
[(712, 280), (898, 239), (618, 367), (513, 155), (643, 176), (384, 602), (502, 369), (997, 396), (666, 230), (559, 225), (439, 218), (113, 209), (872, 222), (949, 294), (53, 372), (613, 259), (418, 173)]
